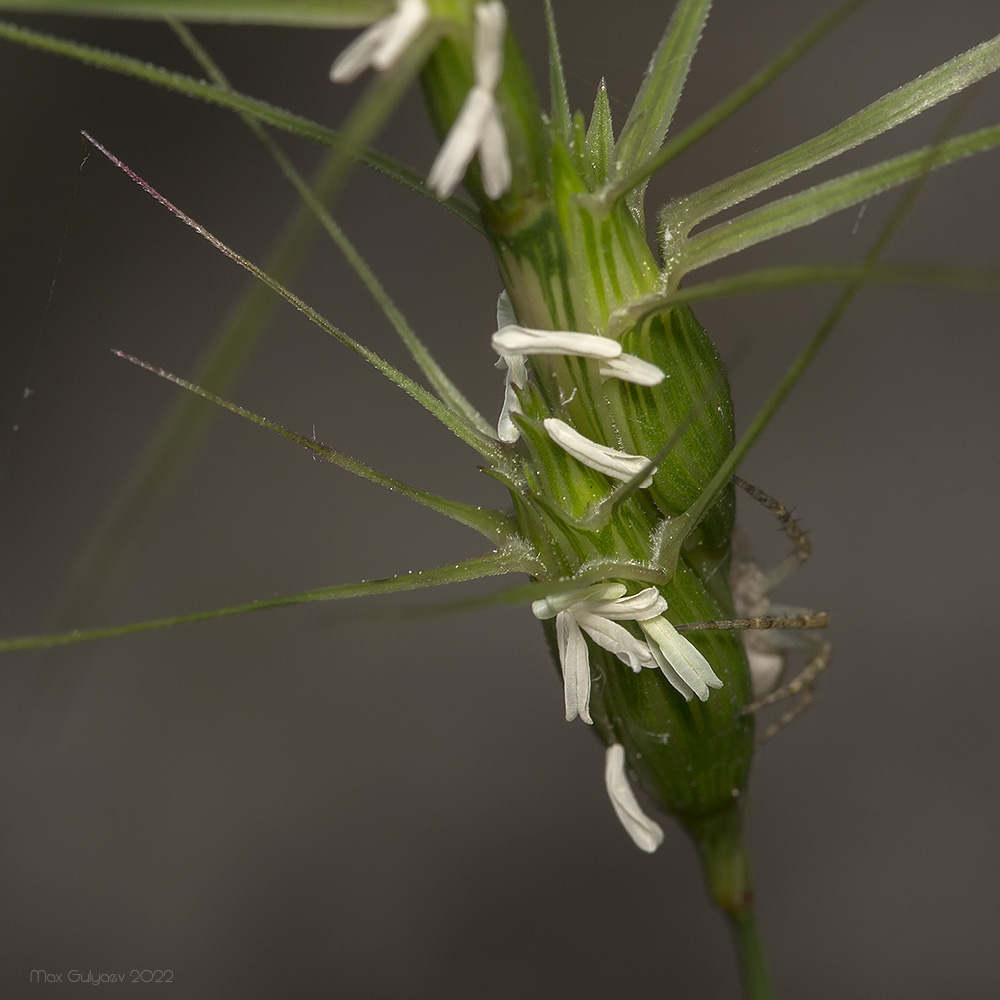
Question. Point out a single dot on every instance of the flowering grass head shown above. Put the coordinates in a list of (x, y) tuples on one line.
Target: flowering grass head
[(613, 429)]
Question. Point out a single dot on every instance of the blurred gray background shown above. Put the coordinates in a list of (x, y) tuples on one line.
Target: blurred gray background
[(340, 802)]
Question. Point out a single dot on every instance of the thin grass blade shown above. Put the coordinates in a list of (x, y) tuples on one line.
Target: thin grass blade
[(303, 13), (485, 446), (806, 207), (763, 417), (886, 113), (492, 564), (181, 429), (773, 279), (600, 139), (562, 118), (262, 111), (315, 197), (654, 105), (728, 105), (494, 524)]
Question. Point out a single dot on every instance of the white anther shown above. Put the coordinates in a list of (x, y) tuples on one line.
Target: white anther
[(616, 464), (680, 662), (514, 339), (549, 607), (478, 126), (646, 833), (596, 610), (629, 368), (381, 45)]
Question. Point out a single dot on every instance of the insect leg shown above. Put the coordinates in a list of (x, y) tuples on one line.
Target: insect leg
[(766, 652), (801, 688), (800, 540)]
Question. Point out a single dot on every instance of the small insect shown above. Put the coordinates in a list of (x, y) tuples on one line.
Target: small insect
[(771, 631), (787, 628)]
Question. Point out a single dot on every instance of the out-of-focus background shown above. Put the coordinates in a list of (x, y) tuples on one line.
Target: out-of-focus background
[(342, 802)]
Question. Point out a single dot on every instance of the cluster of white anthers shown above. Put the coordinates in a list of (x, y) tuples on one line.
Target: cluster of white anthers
[(514, 343), (478, 127), (597, 611), (380, 46)]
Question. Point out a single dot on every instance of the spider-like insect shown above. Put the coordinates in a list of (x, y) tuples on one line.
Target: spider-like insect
[(770, 630)]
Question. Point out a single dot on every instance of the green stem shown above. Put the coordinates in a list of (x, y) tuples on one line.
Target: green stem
[(750, 953), (727, 871)]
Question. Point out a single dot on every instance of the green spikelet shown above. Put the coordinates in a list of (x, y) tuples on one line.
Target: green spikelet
[(569, 263)]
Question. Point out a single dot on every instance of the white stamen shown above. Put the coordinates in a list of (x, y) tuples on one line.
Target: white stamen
[(494, 159), (507, 430), (517, 378), (549, 607), (460, 146), (514, 339), (681, 663), (646, 604), (616, 464), (381, 45), (491, 26), (646, 834), (574, 659), (629, 368), (478, 125), (615, 639), (575, 662)]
